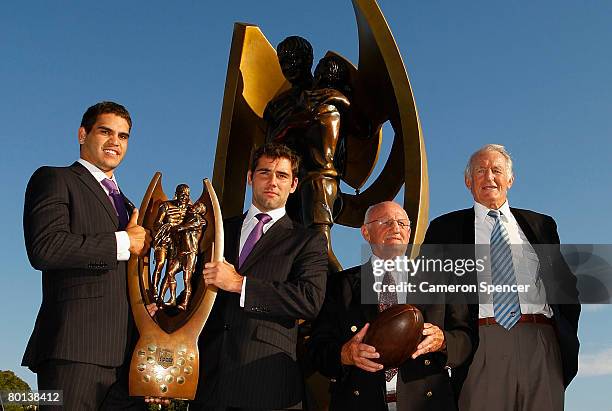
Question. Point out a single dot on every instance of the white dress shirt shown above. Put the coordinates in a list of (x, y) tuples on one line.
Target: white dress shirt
[(398, 277), (250, 221), (524, 259), (123, 240)]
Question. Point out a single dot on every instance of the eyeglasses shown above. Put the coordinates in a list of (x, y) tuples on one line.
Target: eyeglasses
[(402, 223)]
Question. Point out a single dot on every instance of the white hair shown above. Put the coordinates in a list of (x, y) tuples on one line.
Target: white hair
[(489, 147)]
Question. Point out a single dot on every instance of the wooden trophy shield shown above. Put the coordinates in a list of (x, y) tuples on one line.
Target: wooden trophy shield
[(165, 362)]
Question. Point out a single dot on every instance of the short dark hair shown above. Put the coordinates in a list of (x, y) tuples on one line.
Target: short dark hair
[(274, 151), (104, 107)]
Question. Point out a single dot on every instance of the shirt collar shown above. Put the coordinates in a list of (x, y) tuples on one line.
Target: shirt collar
[(276, 214), (374, 259), (98, 174), (480, 211)]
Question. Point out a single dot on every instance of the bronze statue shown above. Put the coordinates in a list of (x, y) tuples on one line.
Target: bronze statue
[(170, 214), (307, 118), (267, 88), (186, 237)]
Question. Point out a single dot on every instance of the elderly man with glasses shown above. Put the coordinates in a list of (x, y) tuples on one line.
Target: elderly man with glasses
[(336, 349)]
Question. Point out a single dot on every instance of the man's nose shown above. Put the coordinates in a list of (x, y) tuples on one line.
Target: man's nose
[(114, 138), (273, 180)]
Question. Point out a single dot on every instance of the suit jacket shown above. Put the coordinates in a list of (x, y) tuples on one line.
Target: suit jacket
[(69, 226), (354, 389), (458, 228), (248, 355)]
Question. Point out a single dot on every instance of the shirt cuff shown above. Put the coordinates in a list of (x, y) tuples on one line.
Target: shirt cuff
[(123, 245), (242, 292)]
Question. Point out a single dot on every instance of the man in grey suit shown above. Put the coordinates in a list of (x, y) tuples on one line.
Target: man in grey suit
[(528, 345), (274, 274), (79, 234)]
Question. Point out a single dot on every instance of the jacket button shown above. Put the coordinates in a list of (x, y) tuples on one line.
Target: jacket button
[(427, 362), (332, 380), (353, 328), (356, 393), (429, 394)]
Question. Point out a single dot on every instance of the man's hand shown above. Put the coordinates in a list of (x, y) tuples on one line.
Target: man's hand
[(354, 352), (157, 400), (433, 341), (139, 236), (152, 309), (223, 275)]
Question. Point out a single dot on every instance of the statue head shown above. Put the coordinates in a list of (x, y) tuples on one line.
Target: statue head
[(182, 194), (197, 208), (295, 58), (331, 72)]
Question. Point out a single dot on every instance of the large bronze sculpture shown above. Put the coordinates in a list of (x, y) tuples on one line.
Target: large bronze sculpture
[(334, 120), (165, 362), (309, 118)]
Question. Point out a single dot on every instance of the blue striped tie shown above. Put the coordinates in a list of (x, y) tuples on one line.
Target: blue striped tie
[(506, 305)]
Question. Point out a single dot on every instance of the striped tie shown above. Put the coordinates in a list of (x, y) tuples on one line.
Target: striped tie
[(506, 305)]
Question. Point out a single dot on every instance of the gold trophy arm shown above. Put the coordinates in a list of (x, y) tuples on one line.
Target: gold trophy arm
[(253, 78), (137, 283), (383, 92), (200, 315)]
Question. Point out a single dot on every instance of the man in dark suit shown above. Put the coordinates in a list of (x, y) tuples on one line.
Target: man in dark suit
[(79, 234), (336, 347), (274, 275), (528, 348)]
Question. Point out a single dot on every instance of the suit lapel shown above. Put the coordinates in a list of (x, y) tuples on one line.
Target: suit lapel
[(525, 226), (90, 182), (275, 235), (366, 278), (469, 235), (232, 239)]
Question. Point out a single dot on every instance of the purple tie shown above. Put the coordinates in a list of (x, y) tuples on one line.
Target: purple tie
[(253, 237), (117, 201)]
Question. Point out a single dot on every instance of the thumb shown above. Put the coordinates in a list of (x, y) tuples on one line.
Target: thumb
[(361, 334), (133, 218)]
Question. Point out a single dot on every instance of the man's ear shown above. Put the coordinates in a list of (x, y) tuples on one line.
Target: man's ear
[(294, 185), (364, 233), (468, 183), (511, 181), (249, 178), (82, 135)]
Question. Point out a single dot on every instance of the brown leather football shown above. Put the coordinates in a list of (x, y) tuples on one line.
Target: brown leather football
[(395, 334)]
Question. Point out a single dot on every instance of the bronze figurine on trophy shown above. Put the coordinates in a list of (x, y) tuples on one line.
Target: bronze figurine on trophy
[(178, 229)]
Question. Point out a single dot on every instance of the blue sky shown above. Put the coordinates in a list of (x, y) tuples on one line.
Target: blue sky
[(533, 76)]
